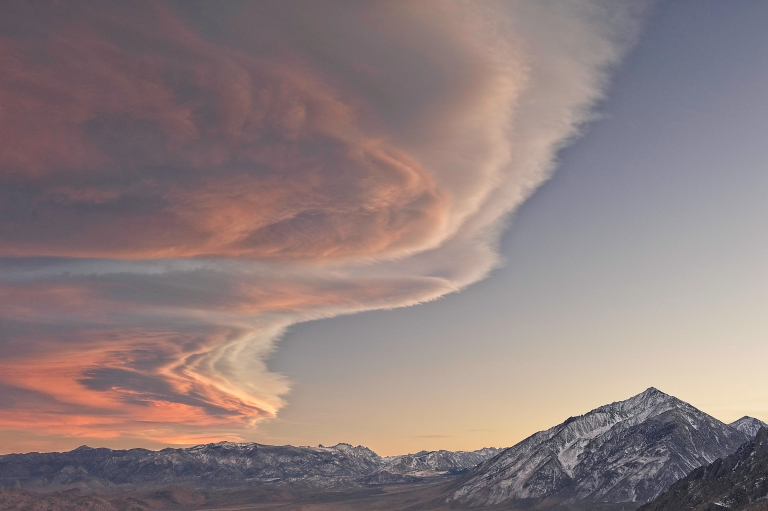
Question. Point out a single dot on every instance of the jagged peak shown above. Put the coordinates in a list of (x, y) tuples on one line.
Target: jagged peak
[(224, 444), (746, 418), (654, 393), (345, 447), (650, 396), (748, 425), (638, 408)]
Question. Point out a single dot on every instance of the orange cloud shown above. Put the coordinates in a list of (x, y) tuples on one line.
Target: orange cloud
[(133, 141), (178, 186), (99, 387), (150, 354)]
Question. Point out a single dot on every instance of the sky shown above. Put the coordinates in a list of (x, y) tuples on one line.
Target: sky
[(403, 225)]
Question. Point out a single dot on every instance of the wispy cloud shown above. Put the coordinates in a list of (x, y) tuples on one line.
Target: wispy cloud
[(179, 186)]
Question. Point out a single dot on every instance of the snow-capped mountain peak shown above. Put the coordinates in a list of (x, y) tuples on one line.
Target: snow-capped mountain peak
[(629, 450), (749, 425)]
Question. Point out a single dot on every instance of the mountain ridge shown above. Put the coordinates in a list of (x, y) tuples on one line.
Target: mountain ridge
[(230, 464), (736, 482), (625, 451)]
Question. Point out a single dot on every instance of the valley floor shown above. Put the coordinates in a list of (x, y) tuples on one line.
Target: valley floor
[(401, 497)]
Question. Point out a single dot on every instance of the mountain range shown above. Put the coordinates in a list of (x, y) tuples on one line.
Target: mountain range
[(617, 456), (627, 451), (230, 464)]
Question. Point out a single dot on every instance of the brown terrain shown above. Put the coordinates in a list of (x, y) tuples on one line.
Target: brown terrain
[(402, 497)]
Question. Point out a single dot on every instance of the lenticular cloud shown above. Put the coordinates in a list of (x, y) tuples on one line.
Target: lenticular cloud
[(179, 185)]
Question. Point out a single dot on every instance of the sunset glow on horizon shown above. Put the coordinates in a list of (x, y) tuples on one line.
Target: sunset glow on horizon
[(183, 185)]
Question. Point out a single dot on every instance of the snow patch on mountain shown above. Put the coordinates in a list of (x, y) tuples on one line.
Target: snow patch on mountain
[(627, 451), (232, 464)]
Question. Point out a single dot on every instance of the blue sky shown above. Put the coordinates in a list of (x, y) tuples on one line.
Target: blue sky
[(642, 262)]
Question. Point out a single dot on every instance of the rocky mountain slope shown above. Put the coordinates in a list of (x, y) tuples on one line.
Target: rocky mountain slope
[(413, 467), (438, 461), (749, 425), (229, 464), (738, 482), (628, 451)]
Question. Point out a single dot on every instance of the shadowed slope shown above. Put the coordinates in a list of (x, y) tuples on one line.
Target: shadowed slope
[(628, 451), (737, 482)]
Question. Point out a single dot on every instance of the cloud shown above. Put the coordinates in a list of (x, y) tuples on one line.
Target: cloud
[(180, 184), (129, 143)]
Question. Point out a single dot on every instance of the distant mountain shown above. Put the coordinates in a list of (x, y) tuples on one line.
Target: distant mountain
[(412, 467), (749, 425), (629, 451), (738, 482), (230, 464), (438, 461)]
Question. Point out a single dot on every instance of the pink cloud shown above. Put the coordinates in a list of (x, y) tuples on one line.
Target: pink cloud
[(160, 144), (176, 189)]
